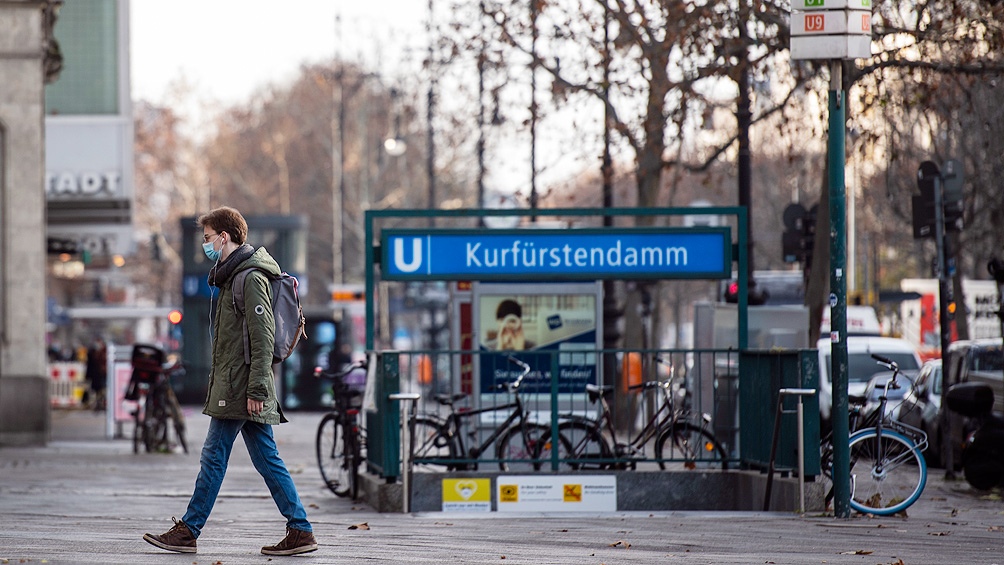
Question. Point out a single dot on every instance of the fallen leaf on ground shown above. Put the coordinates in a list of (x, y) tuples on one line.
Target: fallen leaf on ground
[(620, 543), (362, 526)]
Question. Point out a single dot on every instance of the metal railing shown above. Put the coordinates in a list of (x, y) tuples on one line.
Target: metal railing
[(705, 382)]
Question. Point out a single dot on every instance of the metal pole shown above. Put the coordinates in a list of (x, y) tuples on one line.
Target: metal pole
[(945, 292), (838, 293), (430, 111), (533, 109), (481, 114), (407, 407), (801, 456)]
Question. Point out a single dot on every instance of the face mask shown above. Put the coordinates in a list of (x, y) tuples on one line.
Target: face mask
[(210, 250)]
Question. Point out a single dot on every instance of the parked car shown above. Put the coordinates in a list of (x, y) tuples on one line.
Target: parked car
[(878, 385), (860, 366), (981, 361), (921, 408), (971, 361)]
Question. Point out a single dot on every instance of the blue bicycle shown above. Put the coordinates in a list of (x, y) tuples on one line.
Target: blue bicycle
[(888, 471)]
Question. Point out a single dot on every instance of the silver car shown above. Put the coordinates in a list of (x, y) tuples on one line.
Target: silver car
[(921, 406)]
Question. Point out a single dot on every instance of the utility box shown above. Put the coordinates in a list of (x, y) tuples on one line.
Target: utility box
[(762, 373)]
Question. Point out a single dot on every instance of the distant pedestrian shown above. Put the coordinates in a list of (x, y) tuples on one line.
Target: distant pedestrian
[(241, 397), (97, 371)]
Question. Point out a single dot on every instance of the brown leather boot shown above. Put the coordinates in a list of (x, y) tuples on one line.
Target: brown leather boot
[(295, 542), (179, 538)]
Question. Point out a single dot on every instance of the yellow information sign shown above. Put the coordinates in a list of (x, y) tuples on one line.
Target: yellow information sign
[(467, 495)]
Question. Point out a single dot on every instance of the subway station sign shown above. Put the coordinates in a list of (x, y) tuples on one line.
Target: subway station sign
[(573, 254), (831, 29)]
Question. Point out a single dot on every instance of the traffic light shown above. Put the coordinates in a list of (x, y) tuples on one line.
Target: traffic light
[(756, 297), (924, 215), (174, 316), (929, 177), (809, 236), (952, 180), (799, 237), (732, 292)]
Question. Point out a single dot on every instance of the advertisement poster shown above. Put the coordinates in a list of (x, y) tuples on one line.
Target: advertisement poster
[(534, 323), (561, 493)]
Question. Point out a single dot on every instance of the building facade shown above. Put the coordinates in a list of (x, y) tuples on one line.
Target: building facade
[(24, 398)]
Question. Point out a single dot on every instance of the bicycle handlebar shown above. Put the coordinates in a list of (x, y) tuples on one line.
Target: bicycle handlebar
[(892, 366), (321, 372)]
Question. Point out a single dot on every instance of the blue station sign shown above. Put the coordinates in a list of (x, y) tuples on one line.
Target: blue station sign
[(573, 254)]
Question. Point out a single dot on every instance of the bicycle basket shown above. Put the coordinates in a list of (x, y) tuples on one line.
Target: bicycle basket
[(147, 357)]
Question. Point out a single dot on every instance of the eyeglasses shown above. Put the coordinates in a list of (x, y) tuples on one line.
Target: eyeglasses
[(206, 238)]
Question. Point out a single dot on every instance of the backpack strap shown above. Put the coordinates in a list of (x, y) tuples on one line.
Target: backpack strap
[(239, 305)]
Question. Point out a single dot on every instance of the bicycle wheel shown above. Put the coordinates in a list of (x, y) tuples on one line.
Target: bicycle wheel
[(886, 477), (353, 448), (519, 447), (174, 408), (825, 476), (137, 431), (331, 459), (695, 446), (584, 446), (431, 444), (155, 425)]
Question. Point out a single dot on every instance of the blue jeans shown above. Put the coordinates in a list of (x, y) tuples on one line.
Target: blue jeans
[(265, 456)]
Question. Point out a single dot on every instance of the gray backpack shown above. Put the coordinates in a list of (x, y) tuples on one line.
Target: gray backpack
[(289, 320)]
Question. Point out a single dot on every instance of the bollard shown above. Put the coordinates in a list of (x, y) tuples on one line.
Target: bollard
[(408, 415), (799, 392)]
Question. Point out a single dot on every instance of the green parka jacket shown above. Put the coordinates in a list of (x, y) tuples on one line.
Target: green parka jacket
[(231, 381)]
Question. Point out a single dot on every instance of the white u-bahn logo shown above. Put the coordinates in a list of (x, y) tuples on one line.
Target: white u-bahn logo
[(416, 255)]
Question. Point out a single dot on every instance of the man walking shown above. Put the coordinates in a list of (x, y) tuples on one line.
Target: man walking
[(241, 397)]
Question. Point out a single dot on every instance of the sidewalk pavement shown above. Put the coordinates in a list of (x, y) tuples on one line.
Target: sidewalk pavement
[(86, 499)]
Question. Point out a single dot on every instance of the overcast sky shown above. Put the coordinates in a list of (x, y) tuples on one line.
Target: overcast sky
[(228, 48)]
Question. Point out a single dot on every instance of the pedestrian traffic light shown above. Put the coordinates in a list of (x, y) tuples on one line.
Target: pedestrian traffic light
[(174, 316)]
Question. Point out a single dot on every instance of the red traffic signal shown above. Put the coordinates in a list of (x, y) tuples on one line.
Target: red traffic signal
[(732, 292), (174, 316)]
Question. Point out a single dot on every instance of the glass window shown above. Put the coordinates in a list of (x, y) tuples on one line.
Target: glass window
[(987, 359), (87, 32), (861, 367)]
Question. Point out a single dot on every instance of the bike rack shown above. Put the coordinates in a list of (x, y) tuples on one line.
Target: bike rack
[(781, 394), (407, 415)]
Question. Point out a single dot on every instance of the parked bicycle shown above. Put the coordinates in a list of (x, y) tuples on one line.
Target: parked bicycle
[(518, 440), (887, 469), (341, 441), (157, 409), (591, 443)]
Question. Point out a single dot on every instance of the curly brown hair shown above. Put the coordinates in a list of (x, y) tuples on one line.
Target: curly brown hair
[(226, 219)]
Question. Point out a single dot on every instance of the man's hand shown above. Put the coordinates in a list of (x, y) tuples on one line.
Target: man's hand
[(255, 406)]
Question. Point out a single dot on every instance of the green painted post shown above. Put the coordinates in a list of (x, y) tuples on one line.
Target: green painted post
[(742, 217), (390, 381), (838, 293), (370, 311)]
